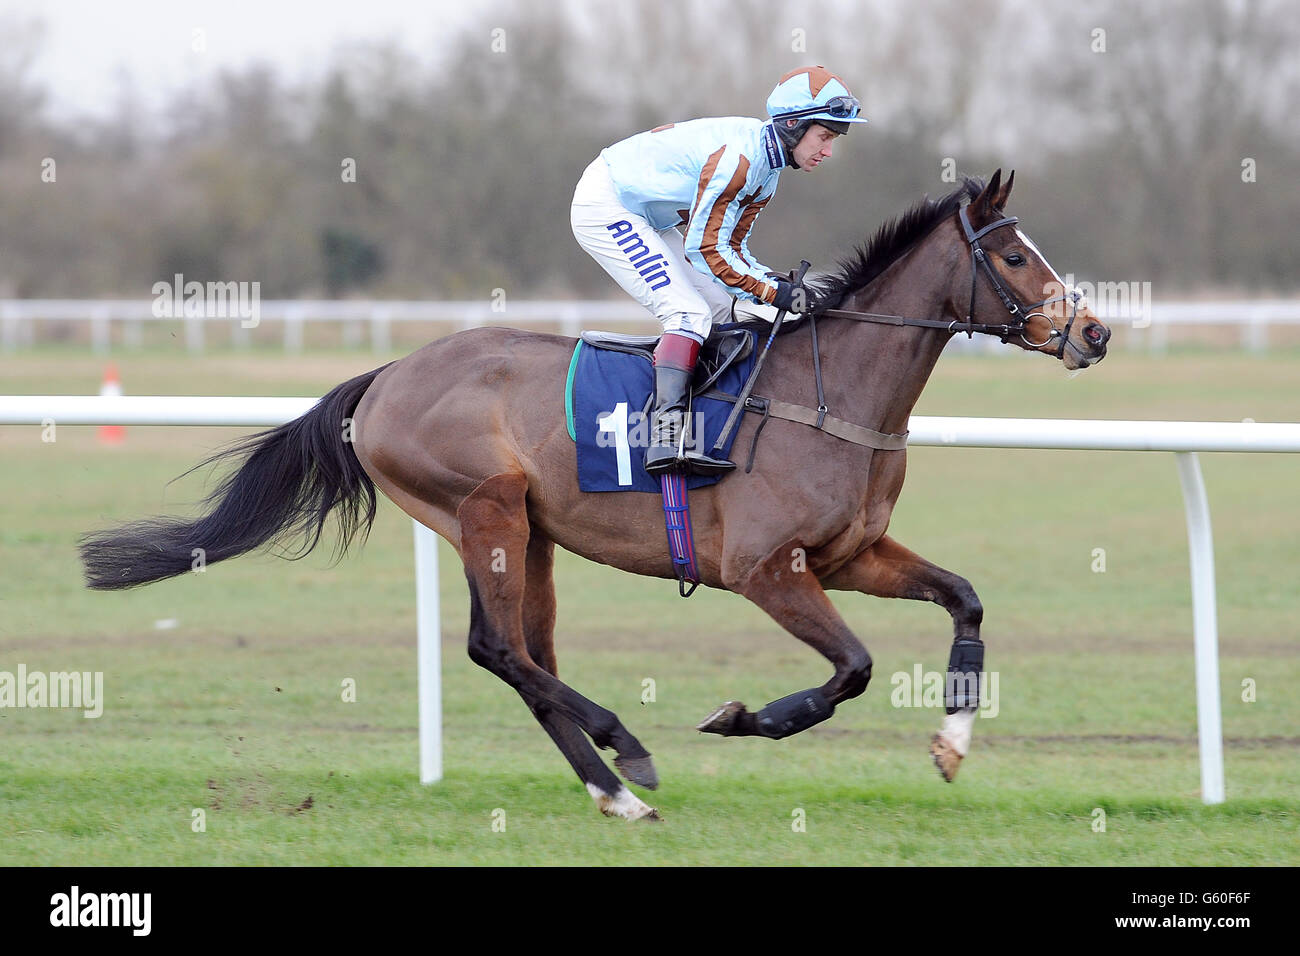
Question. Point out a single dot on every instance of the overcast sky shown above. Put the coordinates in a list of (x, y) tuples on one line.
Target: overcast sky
[(89, 44)]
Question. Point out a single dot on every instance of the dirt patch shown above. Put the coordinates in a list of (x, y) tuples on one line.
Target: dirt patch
[(243, 793)]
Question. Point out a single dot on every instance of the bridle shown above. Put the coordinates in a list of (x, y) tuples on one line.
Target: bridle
[(1020, 313)]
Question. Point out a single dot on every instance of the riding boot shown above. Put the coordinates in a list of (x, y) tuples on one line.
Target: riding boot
[(674, 362)]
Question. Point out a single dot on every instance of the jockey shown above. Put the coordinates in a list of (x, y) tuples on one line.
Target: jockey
[(712, 177)]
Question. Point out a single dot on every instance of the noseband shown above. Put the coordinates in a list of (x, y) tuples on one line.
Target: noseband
[(1020, 314)]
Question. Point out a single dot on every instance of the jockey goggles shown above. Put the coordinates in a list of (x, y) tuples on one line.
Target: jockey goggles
[(837, 107)]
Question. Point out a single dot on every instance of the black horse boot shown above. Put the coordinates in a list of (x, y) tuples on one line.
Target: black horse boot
[(674, 359)]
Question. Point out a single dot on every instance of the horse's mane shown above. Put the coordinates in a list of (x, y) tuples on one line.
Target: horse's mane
[(890, 242), (894, 238)]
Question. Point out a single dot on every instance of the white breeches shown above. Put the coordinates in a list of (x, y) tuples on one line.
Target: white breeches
[(651, 266)]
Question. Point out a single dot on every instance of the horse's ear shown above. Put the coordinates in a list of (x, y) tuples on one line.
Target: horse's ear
[(984, 202), (1000, 201)]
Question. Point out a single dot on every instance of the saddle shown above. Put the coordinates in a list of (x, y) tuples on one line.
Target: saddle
[(729, 347), (724, 347)]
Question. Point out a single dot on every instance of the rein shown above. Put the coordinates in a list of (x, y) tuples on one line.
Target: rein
[(820, 418), (1020, 314)]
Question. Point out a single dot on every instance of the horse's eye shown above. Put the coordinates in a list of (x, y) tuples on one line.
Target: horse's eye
[(1015, 259)]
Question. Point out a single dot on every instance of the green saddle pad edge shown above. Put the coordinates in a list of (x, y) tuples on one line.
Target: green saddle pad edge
[(568, 392)]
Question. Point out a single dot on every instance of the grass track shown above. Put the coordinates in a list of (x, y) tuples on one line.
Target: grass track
[(237, 710)]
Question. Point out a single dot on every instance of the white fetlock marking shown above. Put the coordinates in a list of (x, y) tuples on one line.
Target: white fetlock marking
[(623, 804), (957, 729)]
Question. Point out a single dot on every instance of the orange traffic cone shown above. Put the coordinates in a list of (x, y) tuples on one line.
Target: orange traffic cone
[(111, 434)]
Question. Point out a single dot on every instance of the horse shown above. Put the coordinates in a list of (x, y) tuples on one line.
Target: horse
[(468, 436)]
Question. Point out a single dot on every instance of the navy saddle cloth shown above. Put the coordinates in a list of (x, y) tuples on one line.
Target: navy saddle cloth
[(608, 401)]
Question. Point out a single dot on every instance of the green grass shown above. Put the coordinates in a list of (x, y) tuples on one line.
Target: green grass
[(237, 710)]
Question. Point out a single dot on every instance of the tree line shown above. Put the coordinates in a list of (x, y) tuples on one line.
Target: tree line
[(1151, 142)]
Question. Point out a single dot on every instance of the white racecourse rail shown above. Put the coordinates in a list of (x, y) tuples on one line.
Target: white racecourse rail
[(18, 318), (1184, 439)]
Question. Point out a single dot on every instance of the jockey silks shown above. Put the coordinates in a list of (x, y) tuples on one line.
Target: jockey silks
[(715, 175)]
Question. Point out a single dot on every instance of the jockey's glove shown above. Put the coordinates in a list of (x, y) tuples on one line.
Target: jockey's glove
[(793, 297)]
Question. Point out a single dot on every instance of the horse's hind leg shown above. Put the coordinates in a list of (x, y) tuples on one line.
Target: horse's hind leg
[(887, 569), (494, 547), (612, 798)]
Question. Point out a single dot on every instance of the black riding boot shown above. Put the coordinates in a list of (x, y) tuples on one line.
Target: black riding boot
[(675, 359)]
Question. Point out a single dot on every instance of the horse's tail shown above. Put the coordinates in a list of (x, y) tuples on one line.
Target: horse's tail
[(290, 480)]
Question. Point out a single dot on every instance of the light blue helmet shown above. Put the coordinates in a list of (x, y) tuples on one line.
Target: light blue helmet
[(811, 94)]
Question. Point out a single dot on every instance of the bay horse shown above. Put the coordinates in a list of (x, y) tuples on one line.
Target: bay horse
[(468, 436)]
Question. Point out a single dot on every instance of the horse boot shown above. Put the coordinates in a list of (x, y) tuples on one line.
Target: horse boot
[(674, 361)]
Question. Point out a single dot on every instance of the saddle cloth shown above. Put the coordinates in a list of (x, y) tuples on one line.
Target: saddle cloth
[(607, 401)]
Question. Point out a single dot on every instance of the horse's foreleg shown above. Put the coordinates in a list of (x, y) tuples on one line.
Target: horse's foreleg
[(887, 569), (612, 798), (795, 600), (494, 546)]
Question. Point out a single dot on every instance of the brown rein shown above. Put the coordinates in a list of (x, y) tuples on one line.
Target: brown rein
[(1004, 331), (821, 419)]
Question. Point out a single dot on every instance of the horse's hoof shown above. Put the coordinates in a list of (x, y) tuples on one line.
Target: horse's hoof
[(945, 757), (623, 804), (638, 770), (641, 813), (723, 720)]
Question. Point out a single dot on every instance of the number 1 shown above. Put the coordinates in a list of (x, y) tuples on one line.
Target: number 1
[(616, 422)]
